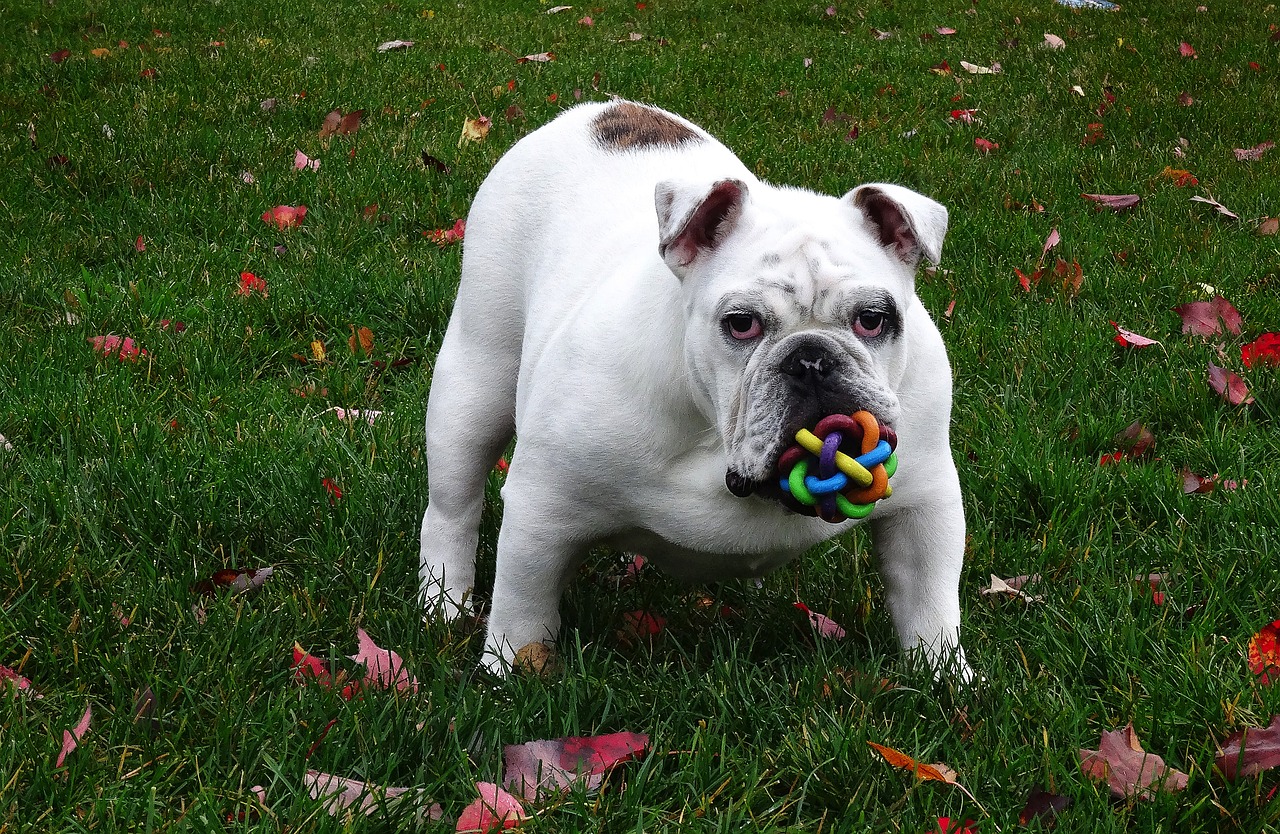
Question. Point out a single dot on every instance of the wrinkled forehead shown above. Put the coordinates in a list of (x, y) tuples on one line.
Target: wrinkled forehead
[(824, 275)]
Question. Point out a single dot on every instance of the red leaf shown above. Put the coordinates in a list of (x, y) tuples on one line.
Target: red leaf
[(1115, 202), (383, 667), (1041, 803), (233, 580), (1093, 134), (642, 624), (1186, 50), (1202, 317), (1025, 281), (1251, 751), (60, 56), (946, 825), (284, 217), (965, 116), (139, 245), (1265, 349), (1264, 654), (1193, 484), (335, 491), (444, 237), (1128, 338), (1134, 442), (336, 123), (1229, 385), (495, 809), (1129, 770), (537, 769), (249, 284), (985, 146)]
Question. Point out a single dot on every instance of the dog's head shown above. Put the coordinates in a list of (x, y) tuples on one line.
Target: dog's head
[(796, 305)]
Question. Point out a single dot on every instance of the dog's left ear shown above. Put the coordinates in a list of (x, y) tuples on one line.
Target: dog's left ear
[(911, 223), (693, 219)]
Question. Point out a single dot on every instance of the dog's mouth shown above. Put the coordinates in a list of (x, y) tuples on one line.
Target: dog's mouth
[(771, 486)]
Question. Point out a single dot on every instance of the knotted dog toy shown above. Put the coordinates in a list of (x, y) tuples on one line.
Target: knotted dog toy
[(855, 458)]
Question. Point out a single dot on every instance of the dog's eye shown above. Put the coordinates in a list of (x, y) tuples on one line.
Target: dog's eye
[(743, 326), (869, 324)]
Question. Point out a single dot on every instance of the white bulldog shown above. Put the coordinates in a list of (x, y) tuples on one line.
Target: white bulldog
[(654, 324)]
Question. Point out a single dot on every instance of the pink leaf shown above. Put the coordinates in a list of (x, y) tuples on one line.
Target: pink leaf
[(945, 30), (382, 666), (1115, 202), (123, 347), (985, 146), (537, 769), (284, 217), (71, 738), (444, 237), (1253, 154), (495, 809), (1202, 317), (1051, 241), (1128, 338), (301, 161), (17, 683), (1186, 50), (353, 414), (965, 116), (340, 793), (824, 625), (1229, 386)]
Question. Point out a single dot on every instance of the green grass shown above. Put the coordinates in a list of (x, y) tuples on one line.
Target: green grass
[(127, 483)]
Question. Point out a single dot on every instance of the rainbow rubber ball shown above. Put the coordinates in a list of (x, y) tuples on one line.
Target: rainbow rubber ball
[(840, 468)]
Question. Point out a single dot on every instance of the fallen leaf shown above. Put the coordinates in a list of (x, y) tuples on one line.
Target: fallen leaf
[(1013, 587), (975, 69), (537, 58), (1051, 241), (336, 123), (307, 667), (1115, 202), (641, 626), (249, 284), (923, 772), (1186, 50), (383, 667), (1042, 804), (1071, 275), (432, 164), (1129, 770), (1250, 751), (122, 347), (1208, 318), (495, 809), (60, 56), (558, 9), (946, 825), (1229, 385), (1221, 209), (1185, 99), (360, 341), (1269, 226), (1054, 42), (1265, 350), (945, 30), (301, 161), (14, 682), (445, 237), (232, 580), (1193, 484), (339, 793), (387, 46), (284, 217), (1180, 177), (474, 130), (1025, 281), (71, 738), (1155, 582), (1253, 154), (1264, 653), (1127, 338), (985, 146), (1134, 442), (353, 414), (824, 625), (537, 770), (965, 116), (335, 491)]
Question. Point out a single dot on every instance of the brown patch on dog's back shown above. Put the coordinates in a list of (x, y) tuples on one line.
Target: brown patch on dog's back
[(625, 125)]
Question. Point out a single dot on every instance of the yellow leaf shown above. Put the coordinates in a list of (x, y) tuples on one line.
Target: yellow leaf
[(100, 52), (317, 350), (474, 130)]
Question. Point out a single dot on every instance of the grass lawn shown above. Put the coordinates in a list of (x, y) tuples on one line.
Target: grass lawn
[(141, 144)]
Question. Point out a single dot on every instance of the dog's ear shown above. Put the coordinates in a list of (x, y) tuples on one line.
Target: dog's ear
[(693, 218), (910, 223)]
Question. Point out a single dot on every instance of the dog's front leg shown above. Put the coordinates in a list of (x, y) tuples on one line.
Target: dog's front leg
[(921, 552), (536, 562)]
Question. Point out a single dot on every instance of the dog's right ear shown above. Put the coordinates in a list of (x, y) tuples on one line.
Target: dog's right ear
[(694, 219)]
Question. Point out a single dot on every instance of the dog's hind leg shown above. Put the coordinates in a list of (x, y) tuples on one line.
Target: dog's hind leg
[(470, 420)]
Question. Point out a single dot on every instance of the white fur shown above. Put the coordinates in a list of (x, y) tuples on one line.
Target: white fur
[(572, 332)]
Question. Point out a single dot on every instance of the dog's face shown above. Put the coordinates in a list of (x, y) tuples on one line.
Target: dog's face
[(802, 316)]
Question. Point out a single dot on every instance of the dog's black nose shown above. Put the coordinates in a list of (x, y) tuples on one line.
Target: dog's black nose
[(808, 361), (739, 484)]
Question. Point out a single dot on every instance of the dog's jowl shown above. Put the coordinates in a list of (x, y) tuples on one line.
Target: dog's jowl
[(654, 324)]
